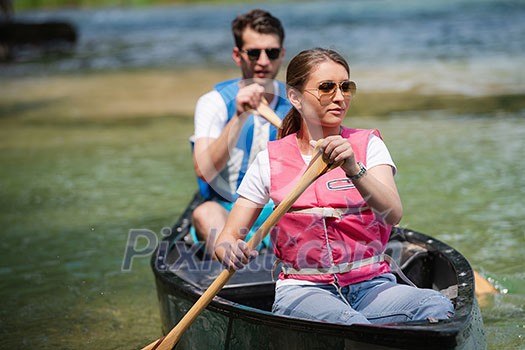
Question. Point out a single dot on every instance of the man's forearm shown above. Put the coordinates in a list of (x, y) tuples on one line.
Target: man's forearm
[(210, 155)]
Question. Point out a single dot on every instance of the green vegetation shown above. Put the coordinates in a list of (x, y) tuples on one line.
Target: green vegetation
[(100, 96), (46, 4), (385, 104)]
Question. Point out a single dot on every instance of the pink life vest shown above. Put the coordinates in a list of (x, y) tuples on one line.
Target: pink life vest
[(312, 240)]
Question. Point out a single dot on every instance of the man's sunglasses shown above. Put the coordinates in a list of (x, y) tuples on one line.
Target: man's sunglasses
[(327, 89), (254, 54)]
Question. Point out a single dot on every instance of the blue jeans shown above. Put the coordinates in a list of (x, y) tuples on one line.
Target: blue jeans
[(376, 301)]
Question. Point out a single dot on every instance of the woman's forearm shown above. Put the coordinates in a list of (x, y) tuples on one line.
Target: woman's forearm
[(378, 188)]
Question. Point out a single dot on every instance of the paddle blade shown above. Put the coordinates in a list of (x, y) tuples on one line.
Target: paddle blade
[(483, 286)]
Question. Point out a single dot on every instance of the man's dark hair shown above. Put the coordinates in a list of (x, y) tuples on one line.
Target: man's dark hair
[(260, 21)]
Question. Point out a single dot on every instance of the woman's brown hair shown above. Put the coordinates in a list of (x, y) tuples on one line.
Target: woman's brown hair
[(297, 74)]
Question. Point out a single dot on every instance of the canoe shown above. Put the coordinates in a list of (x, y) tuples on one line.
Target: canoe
[(240, 316)]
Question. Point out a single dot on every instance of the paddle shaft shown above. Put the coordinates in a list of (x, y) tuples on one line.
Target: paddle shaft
[(316, 168), (267, 113)]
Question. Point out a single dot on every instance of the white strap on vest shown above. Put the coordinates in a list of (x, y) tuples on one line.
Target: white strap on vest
[(346, 267), (341, 268), (329, 212)]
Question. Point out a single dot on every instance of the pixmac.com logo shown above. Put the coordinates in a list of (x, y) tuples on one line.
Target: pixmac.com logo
[(144, 243), (185, 257)]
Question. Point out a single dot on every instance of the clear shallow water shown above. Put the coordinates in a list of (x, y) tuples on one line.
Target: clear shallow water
[(460, 178), (70, 192), (66, 216)]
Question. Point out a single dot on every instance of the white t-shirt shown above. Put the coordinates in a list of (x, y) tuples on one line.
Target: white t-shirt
[(210, 116), (256, 183)]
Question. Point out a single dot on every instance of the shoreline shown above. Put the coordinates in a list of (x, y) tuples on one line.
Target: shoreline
[(160, 92)]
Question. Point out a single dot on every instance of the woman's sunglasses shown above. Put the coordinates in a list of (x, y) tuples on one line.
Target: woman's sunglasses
[(254, 54), (327, 89)]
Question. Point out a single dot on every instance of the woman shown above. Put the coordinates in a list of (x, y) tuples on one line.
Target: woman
[(331, 242)]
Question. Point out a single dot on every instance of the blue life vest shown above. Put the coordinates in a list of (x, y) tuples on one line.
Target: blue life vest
[(228, 90)]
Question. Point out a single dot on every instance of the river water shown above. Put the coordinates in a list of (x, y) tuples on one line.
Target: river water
[(465, 46), (65, 219)]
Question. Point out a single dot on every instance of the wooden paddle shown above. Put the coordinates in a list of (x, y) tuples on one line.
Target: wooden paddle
[(267, 113), (317, 167), (483, 286), (484, 289)]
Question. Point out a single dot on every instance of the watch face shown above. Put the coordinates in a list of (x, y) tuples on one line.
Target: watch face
[(362, 171)]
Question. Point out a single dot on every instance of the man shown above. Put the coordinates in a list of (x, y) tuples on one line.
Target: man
[(227, 135)]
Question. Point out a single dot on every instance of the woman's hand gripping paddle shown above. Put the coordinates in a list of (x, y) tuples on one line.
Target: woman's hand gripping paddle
[(317, 167)]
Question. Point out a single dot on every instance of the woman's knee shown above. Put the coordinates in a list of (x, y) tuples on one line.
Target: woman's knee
[(434, 306)]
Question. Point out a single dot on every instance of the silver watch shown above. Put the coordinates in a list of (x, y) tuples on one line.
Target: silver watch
[(362, 171)]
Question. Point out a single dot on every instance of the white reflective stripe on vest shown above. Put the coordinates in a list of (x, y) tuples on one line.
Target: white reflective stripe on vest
[(329, 212), (341, 268)]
